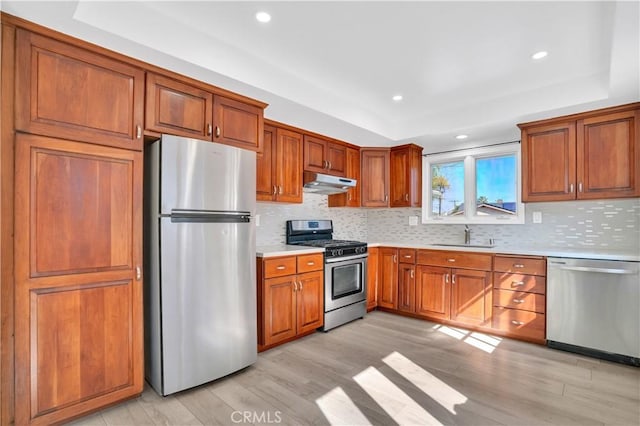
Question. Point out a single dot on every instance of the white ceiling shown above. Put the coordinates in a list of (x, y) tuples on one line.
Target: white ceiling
[(332, 67)]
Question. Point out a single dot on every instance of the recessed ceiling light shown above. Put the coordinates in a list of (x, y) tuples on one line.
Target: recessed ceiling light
[(397, 98), (462, 137), (263, 17), (539, 55)]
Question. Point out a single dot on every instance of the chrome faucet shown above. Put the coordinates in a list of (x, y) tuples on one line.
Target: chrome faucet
[(467, 235)]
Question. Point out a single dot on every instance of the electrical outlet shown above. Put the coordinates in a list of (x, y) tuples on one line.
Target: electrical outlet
[(257, 220), (413, 220), (537, 217)]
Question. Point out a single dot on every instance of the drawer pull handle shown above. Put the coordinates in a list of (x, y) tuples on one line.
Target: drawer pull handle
[(295, 286), (281, 267), (518, 265), (518, 300), (217, 132), (514, 322), (407, 256), (446, 278), (451, 260), (209, 129), (300, 284), (517, 283), (311, 263)]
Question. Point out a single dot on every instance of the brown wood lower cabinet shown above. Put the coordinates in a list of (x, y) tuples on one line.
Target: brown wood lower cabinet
[(406, 287), (290, 304), (372, 278), (433, 297), (78, 292), (388, 280)]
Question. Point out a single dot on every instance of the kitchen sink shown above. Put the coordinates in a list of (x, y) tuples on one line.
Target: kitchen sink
[(465, 245)]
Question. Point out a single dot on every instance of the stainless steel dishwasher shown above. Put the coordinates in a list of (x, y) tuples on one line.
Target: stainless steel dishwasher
[(593, 308)]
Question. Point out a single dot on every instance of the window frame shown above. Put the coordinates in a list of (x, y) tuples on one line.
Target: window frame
[(469, 157)]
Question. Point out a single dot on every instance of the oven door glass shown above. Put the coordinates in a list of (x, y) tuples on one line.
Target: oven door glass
[(346, 280)]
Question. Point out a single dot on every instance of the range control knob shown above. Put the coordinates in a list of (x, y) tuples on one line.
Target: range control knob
[(340, 252), (334, 252)]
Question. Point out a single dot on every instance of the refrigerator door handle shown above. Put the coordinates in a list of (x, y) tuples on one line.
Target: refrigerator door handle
[(186, 216)]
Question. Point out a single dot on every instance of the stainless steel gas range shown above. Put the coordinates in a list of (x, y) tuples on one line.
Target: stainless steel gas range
[(345, 270)]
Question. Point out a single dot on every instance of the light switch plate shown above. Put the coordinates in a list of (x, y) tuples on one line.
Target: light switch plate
[(413, 220), (537, 217), (257, 220)]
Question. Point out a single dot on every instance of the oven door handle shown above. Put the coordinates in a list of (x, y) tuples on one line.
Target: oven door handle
[(346, 258)]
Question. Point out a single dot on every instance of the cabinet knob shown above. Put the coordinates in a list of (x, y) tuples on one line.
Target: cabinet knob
[(217, 131)]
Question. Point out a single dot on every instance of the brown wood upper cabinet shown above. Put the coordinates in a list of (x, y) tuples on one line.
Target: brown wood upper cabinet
[(374, 167), (593, 155), (279, 166), (189, 110), (406, 176), (352, 197), (324, 156), (73, 93), (177, 108)]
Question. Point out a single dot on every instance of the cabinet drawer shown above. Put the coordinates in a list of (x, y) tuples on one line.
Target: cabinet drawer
[(522, 265), (454, 259), (519, 300), (310, 262), (519, 323), (519, 282), (406, 255), (279, 266)]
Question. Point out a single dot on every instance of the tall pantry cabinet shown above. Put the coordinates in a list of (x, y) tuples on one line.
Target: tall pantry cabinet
[(77, 285)]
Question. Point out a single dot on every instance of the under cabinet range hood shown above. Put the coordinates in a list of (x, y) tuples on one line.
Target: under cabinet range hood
[(319, 183)]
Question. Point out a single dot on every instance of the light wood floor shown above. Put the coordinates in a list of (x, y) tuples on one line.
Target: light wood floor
[(387, 370)]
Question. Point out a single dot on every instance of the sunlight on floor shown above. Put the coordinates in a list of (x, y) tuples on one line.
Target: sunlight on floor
[(400, 407), (481, 341), (339, 409), (438, 390)]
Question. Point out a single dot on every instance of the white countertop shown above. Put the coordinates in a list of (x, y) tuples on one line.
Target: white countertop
[(577, 253), (285, 250)]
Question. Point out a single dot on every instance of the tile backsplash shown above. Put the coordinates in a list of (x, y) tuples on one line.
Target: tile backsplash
[(605, 224), (348, 223)]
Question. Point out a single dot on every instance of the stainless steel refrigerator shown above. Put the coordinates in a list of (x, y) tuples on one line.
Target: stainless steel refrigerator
[(200, 277)]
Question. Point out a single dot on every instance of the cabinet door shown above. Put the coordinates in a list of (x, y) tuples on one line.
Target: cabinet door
[(433, 292), (315, 154), (406, 288), (279, 309), (237, 123), (471, 296), (265, 184), (549, 162), (177, 108), (375, 178), (372, 278), (310, 300), (388, 284), (337, 159), (399, 186), (352, 197), (608, 156), (288, 166), (76, 94), (78, 297)]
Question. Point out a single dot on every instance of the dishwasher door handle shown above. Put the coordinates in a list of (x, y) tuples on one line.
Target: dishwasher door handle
[(601, 270)]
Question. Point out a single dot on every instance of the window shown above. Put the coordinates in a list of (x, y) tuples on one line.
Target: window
[(479, 185)]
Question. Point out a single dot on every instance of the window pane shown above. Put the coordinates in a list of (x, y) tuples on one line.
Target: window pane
[(447, 184), (496, 186)]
